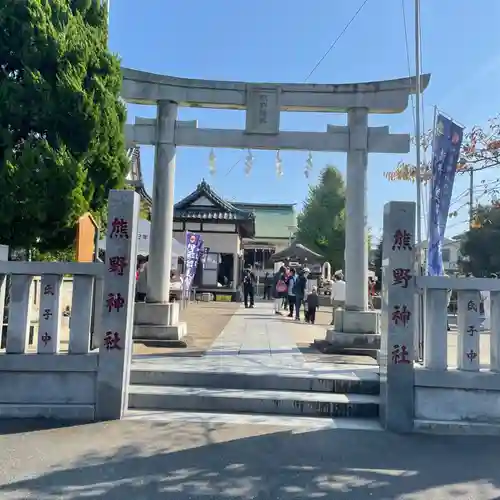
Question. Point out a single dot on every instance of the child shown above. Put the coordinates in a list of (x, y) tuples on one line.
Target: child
[(312, 301)]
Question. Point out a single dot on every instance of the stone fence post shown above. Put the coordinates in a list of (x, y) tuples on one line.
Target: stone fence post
[(398, 317), (115, 335)]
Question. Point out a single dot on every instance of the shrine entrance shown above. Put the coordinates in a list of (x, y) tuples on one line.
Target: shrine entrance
[(263, 104), (256, 334)]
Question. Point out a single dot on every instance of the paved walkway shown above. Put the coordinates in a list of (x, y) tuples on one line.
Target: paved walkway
[(256, 341), (205, 461), (264, 460), (259, 341)]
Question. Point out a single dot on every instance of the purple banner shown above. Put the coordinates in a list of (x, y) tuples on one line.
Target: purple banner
[(194, 248), (445, 155)]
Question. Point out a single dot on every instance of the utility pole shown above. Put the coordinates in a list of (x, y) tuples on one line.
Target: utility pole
[(291, 233), (418, 139), (418, 179)]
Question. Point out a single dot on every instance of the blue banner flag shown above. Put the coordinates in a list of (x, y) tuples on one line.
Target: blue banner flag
[(445, 156), (194, 249)]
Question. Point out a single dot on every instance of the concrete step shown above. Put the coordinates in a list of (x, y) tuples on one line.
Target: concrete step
[(253, 401), (297, 423), (457, 427), (339, 383), (70, 412)]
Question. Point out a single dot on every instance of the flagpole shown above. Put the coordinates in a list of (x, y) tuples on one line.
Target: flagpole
[(184, 267), (421, 301), (108, 6), (418, 177), (434, 122), (418, 181)]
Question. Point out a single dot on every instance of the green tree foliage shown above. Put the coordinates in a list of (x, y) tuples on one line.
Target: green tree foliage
[(369, 240), (144, 205), (145, 211), (480, 245), (67, 255), (377, 263), (377, 258), (321, 225), (61, 121)]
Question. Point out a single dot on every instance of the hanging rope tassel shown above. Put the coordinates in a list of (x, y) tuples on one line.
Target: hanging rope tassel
[(249, 163), (212, 162), (279, 164), (309, 165)]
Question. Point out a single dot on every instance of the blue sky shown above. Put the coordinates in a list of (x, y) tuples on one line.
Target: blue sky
[(281, 41)]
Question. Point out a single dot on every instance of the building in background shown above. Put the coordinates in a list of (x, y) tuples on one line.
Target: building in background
[(135, 180), (451, 255), (237, 234), (223, 227), (274, 230)]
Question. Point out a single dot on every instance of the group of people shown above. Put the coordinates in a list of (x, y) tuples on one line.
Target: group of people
[(337, 291), (141, 278), (290, 291)]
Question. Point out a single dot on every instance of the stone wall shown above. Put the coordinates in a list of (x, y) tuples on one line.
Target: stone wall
[(48, 386), (457, 397), (57, 376), (457, 384)]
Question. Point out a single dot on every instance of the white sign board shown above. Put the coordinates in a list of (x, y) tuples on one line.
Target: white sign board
[(143, 238), (4, 252)]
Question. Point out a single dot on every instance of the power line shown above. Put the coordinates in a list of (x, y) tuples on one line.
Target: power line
[(405, 27), (325, 55), (423, 194), (346, 27), (232, 166), (456, 224)]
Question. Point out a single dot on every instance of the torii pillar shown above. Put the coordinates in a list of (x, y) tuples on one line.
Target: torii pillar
[(156, 322), (355, 326)]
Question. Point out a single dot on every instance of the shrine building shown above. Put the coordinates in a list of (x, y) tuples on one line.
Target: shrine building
[(237, 235)]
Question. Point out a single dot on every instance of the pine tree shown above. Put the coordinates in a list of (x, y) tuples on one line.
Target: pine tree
[(321, 225)]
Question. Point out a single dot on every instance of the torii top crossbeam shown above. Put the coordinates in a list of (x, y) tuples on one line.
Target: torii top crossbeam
[(263, 103), (385, 96)]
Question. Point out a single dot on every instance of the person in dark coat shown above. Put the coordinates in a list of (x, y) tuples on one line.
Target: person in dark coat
[(299, 291), (267, 286), (312, 305), (249, 281)]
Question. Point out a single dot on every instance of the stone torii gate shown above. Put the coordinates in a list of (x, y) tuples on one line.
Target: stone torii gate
[(263, 103)]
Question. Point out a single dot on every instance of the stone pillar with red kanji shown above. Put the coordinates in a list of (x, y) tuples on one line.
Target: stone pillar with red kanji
[(398, 317), (115, 343)]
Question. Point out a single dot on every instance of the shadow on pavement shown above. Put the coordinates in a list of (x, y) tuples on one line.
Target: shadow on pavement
[(22, 425), (135, 460)]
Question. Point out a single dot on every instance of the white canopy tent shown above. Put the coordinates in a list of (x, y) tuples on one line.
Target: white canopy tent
[(4, 252), (144, 236)]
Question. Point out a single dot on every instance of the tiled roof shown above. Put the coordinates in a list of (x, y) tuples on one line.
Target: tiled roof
[(134, 177), (206, 215), (272, 221), (220, 209), (297, 250)]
